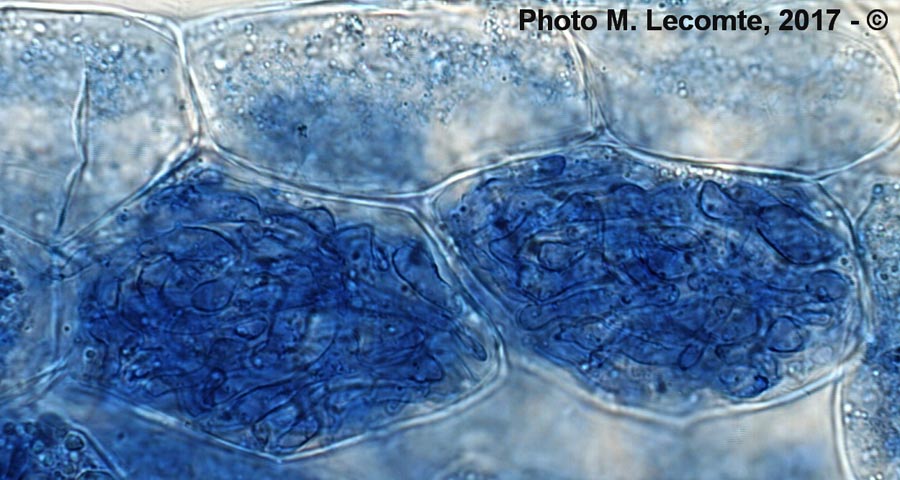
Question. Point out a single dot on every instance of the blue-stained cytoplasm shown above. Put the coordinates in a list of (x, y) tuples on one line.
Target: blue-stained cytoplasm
[(11, 323), (364, 99), (48, 447), (240, 240), (276, 328), (871, 393), (671, 294)]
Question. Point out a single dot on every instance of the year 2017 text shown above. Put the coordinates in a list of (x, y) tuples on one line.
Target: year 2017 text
[(618, 19)]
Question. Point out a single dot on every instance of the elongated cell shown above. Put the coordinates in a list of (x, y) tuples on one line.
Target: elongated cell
[(803, 101), (871, 403), (277, 327), (91, 106), (381, 100), (665, 289), (48, 447)]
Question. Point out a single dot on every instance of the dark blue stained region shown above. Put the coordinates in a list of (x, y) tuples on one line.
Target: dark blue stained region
[(47, 448), (882, 419), (875, 386), (644, 289), (271, 326), (11, 290)]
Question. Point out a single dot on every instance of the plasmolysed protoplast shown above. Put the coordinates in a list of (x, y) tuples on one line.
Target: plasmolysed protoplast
[(271, 322), (661, 288)]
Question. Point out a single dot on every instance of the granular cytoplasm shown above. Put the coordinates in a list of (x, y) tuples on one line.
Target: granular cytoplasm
[(870, 403), (11, 322), (93, 105), (425, 90), (808, 101)]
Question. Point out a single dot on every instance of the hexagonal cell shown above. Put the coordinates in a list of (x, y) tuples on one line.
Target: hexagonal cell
[(92, 105), (27, 314), (270, 321), (372, 99), (870, 399), (47, 446), (804, 101), (660, 287)]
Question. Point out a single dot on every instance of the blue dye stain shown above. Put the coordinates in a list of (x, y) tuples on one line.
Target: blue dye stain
[(874, 438), (880, 421), (270, 326), (646, 286), (11, 289), (47, 448)]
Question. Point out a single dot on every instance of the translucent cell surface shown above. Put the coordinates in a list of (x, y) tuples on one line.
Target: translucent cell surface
[(804, 101), (662, 288), (269, 321), (788, 442), (368, 99), (91, 106)]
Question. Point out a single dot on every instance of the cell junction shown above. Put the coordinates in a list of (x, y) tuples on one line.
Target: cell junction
[(48, 448), (672, 294), (272, 327)]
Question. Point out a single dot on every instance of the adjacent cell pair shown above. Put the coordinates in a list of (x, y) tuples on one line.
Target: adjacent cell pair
[(282, 325)]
